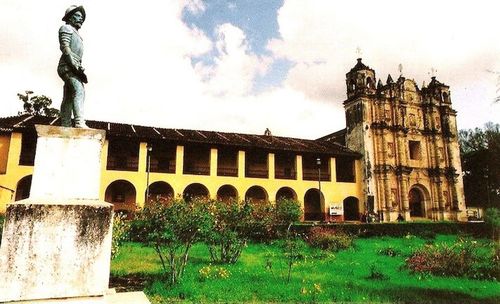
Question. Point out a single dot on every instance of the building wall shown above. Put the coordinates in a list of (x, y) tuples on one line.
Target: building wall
[(333, 192), (14, 172)]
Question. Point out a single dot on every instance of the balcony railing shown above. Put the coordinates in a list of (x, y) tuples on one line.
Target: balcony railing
[(197, 170), (160, 168), (285, 173), (258, 173), (129, 164), (227, 171), (346, 178), (312, 175)]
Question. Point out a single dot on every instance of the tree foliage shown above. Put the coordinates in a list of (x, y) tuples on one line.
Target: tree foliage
[(480, 154), (37, 105)]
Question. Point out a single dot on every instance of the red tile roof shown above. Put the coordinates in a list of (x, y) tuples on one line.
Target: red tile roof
[(246, 141)]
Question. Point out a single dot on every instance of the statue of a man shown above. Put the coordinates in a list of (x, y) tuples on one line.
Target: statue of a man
[(70, 67)]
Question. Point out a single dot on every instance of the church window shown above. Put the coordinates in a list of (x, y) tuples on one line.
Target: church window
[(414, 147), (369, 82)]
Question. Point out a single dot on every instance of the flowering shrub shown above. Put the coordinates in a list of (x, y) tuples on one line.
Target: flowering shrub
[(328, 239), (465, 258), (212, 273)]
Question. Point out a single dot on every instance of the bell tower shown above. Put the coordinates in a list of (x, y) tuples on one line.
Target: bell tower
[(361, 93)]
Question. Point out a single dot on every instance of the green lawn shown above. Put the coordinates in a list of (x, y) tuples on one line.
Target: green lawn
[(342, 277)]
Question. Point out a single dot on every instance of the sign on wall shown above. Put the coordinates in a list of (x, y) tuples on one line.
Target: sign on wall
[(337, 209)]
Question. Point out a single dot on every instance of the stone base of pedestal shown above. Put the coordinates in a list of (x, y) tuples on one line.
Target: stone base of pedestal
[(136, 297), (55, 250)]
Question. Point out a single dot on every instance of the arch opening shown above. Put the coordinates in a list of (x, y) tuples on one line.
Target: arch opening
[(159, 191), (416, 202), (23, 188), (256, 194), (195, 191), (227, 193), (122, 195), (313, 210), (286, 193), (351, 209)]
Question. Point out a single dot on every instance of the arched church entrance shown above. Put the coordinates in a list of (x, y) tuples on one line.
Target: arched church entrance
[(417, 202)]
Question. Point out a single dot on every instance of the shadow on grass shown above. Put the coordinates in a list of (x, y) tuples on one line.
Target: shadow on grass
[(132, 282)]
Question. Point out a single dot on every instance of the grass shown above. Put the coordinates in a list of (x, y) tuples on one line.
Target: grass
[(340, 277)]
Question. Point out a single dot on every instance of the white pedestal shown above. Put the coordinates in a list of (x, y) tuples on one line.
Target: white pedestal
[(57, 243), (67, 163)]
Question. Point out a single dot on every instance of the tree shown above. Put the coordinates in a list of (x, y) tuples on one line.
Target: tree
[(480, 154), (37, 105), (171, 227)]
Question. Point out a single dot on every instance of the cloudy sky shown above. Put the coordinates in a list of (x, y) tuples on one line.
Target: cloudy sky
[(247, 65)]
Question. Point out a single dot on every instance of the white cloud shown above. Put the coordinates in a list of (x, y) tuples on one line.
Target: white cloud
[(454, 38), (195, 6), (235, 66), (138, 59)]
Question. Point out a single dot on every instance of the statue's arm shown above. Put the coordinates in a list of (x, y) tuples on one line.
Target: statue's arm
[(65, 34)]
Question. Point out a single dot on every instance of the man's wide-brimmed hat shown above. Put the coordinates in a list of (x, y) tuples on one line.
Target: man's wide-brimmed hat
[(71, 10)]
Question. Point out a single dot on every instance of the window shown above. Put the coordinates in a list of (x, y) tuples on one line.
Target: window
[(123, 154), (227, 162), (414, 147), (162, 157), (197, 160), (28, 147), (285, 167), (344, 168), (256, 164)]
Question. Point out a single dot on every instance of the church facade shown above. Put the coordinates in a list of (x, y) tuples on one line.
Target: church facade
[(409, 141)]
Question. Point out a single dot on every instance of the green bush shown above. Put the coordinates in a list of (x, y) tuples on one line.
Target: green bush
[(262, 226), (376, 273), (120, 233), (229, 233), (492, 218), (171, 227), (328, 239), (287, 211), (271, 221), (464, 258), (421, 229)]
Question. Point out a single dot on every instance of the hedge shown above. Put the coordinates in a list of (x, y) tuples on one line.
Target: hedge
[(422, 229)]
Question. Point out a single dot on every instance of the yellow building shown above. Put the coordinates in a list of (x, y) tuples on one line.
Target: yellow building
[(198, 163)]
